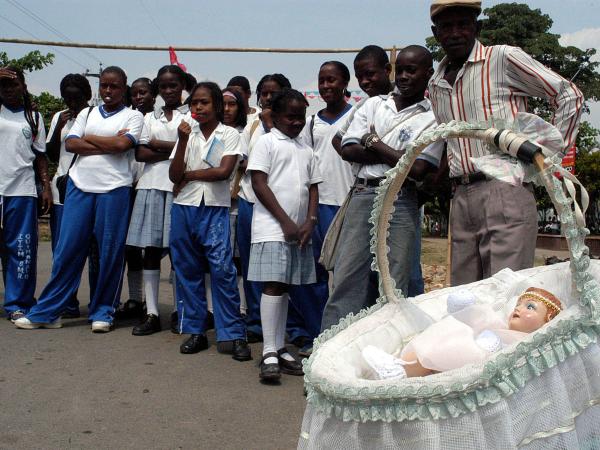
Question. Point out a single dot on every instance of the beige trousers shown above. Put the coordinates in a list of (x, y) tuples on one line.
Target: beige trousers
[(494, 226)]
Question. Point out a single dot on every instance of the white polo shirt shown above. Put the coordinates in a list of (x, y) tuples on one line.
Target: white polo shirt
[(17, 177), (292, 168), (250, 140), (156, 126), (214, 193), (103, 173), (337, 173), (407, 125)]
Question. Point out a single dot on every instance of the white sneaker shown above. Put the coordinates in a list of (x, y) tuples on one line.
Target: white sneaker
[(99, 326), (25, 324)]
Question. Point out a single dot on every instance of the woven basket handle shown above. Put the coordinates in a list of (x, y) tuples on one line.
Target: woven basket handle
[(570, 214)]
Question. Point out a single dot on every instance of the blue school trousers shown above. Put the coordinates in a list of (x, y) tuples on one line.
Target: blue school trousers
[(55, 222), (309, 300), (18, 241), (201, 234), (87, 216), (252, 289)]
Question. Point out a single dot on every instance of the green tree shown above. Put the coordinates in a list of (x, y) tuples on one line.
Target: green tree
[(29, 62), (47, 104)]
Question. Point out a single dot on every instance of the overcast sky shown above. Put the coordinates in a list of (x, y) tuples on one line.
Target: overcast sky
[(234, 23)]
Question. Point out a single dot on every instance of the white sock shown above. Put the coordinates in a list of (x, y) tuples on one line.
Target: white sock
[(270, 316), (151, 282), (174, 286), (280, 338), (135, 283)]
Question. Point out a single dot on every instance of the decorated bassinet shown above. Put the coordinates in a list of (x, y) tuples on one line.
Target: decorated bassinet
[(541, 393)]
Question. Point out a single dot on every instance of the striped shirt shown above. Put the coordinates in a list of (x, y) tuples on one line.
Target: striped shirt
[(495, 82)]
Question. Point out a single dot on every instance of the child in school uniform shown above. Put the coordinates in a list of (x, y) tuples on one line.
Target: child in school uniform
[(76, 92), (23, 139), (142, 98), (96, 206), (319, 131), (202, 163), (151, 217), (284, 178), (268, 86)]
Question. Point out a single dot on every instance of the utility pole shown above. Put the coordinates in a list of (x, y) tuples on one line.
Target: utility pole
[(88, 74)]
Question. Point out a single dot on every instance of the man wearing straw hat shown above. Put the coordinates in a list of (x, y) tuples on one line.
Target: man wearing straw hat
[(493, 224)]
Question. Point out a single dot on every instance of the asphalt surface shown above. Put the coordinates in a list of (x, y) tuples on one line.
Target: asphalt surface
[(72, 389)]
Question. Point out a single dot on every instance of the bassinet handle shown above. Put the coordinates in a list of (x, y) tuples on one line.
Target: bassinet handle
[(570, 214)]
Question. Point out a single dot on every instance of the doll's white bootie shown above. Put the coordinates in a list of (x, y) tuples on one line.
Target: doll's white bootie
[(385, 366)]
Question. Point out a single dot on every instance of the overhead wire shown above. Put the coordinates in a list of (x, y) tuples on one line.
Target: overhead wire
[(36, 37), (164, 36), (48, 26)]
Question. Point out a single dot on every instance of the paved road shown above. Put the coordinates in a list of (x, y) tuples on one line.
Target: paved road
[(71, 389)]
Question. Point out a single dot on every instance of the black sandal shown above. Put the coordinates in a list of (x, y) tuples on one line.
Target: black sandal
[(269, 372), (289, 367)]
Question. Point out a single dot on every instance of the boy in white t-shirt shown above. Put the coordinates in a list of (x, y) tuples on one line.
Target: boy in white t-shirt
[(380, 131), (284, 178), (22, 138), (97, 206)]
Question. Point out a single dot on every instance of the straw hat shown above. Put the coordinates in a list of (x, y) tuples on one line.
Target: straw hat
[(437, 6)]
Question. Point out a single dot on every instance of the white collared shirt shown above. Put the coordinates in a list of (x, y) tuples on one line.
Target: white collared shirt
[(250, 138), (156, 126), (103, 173), (494, 83), (17, 177), (292, 168), (407, 125), (337, 173), (214, 193)]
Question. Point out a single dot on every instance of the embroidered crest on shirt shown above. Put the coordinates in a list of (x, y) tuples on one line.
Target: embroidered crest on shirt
[(405, 135), (26, 132)]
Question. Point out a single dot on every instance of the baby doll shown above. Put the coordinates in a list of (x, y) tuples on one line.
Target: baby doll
[(466, 336)]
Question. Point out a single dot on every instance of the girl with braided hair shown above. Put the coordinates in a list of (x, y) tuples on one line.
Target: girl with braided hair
[(23, 137)]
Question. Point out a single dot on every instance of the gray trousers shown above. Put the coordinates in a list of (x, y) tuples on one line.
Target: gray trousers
[(494, 226), (355, 285)]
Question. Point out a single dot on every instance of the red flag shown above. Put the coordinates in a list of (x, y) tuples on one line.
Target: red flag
[(568, 162), (173, 58)]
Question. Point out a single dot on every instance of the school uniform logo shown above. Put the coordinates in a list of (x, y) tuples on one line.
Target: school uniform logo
[(26, 132), (405, 135)]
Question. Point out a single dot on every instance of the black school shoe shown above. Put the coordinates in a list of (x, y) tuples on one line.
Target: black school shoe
[(194, 344), (150, 326), (269, 372), (241, 351), (131, 309), (289, 367)]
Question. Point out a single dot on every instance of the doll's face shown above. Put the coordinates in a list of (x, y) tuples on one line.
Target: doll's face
[(528, 316)]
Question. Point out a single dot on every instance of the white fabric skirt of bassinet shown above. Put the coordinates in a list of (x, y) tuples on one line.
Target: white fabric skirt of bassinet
[(560, 409)]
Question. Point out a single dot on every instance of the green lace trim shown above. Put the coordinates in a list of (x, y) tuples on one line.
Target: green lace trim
[(504, 374)]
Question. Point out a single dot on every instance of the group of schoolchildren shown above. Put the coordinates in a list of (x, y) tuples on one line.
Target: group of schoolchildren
[(217, 184)]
